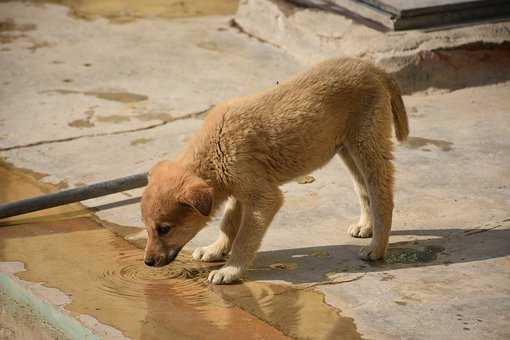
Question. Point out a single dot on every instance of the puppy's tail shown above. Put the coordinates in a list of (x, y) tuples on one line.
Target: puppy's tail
[(398, 109)]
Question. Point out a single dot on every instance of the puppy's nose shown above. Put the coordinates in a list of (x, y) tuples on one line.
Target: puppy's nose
[(149, 261)]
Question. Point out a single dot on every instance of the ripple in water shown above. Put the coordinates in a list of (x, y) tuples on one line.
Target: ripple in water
[(134, 280)]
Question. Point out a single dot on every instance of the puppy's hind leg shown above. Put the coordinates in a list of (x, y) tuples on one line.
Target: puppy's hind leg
[(372, 153), (364, 226), (228, 231)]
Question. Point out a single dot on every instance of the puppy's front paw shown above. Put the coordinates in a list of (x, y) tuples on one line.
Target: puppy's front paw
[(208, 254), (372, 253), (225, 275), (360, 230)]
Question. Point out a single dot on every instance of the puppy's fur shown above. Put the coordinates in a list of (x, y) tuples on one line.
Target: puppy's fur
[(250, 146)]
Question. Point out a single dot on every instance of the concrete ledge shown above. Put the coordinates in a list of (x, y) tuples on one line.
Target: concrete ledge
[(450, 58), (47, 304)]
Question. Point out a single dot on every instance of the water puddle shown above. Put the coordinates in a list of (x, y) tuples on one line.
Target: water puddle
[(298, 313), (16, 184), (124, 11), (69, 249)]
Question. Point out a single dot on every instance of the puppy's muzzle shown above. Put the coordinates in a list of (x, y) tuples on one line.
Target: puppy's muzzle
[(160, 261)]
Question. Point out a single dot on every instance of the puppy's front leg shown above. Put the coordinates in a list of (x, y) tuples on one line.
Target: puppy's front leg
[(228, 230), (257, 215)]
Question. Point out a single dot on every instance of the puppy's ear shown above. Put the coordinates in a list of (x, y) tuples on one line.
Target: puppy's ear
[(199, 196)]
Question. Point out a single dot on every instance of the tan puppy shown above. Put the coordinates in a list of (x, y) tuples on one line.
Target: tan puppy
[(248, 147)]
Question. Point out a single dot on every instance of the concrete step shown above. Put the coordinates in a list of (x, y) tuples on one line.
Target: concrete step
[(447, 58)]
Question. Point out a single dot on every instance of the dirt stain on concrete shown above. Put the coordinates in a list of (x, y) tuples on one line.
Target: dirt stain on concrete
[(140, 141), (305, 179), (84, 122), (118, 96), (412, 255), (418, 142), (8, 34), (284, 266), (7, 39), (113, 119), (148, 116), (10, 25), (39, 44), (69, 249), (9, 30), (125, 11), (81, 123), (387, 277), (209, 45), (123, 97)]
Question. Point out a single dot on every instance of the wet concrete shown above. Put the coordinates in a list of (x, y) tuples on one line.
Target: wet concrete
[(69, 249), (17, 184), (119, 11)]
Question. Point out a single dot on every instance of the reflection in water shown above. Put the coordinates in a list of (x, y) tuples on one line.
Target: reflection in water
[(298, 313), (105, 277)]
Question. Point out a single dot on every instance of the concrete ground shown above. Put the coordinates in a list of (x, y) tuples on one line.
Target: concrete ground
[(18, 321), (89, 100)]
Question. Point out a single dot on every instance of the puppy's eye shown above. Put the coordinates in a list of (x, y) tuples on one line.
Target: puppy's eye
[(184, 205), (162, 229)]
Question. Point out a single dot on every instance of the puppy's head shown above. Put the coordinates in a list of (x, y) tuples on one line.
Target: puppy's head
[(175, 206)]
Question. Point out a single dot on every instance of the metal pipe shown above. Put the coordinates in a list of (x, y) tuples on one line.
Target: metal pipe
[(72, 195)]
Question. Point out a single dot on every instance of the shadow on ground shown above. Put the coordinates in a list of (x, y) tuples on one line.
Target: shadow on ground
[(443, 248)]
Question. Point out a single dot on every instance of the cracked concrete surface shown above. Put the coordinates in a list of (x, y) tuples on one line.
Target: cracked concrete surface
[(182, 67), (447, 273), (101, 134)]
